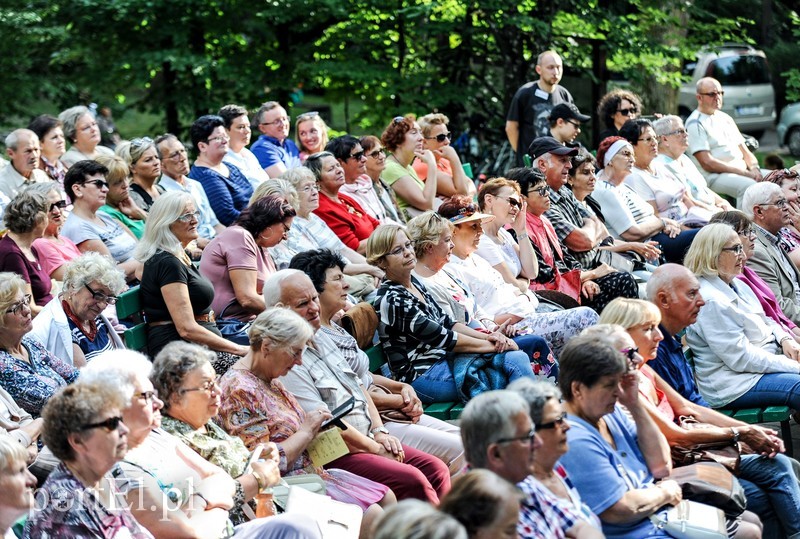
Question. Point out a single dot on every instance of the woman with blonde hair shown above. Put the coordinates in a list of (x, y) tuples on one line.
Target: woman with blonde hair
[(120, 203), (450, 177), (311, 134), (17, 484), (176, 298), (142, 158)]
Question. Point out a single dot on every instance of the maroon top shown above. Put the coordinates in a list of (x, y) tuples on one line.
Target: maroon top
[(13, 259)]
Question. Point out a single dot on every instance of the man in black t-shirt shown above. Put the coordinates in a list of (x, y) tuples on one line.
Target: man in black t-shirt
[(529, 113)]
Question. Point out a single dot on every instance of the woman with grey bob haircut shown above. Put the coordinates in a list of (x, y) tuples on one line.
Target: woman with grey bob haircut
[(415, 519), (73, 325), (82, 131), (26, 220)]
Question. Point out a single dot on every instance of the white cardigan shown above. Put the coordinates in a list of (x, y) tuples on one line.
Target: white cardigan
[(51, 327), (734, 343)]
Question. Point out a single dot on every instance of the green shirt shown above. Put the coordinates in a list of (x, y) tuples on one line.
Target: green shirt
[(136, 225)]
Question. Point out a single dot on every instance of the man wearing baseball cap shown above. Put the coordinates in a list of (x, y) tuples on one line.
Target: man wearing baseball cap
[(565, 123)]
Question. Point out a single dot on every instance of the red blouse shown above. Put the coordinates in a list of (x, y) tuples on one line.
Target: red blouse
[(347, 219)]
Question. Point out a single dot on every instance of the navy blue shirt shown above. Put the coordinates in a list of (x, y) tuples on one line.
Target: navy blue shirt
[(671, 365)]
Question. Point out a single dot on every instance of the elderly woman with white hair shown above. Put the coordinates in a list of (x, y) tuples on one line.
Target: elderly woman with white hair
[(673, 141), (73, 325), (172, 491), (743, 359), (176, 297), (81, 129), (17, 484)]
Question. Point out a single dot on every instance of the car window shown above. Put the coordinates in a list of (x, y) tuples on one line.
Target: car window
[(739, 70)]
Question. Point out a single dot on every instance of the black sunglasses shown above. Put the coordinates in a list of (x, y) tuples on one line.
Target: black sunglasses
[(628, 112), (374, 154), (557, 422), (440, 137), (97, 183), (111, 424), (61, 204), (357, 156)]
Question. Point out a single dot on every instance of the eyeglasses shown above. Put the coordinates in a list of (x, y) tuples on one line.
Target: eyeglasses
[(148, 396), (208, 387), (780, 203), (61, 204), (513, 202), (747, 233), (440, 137), (630, 353), (187, 217), (575, 124), (541, 191), (628, 112), (648, 140), (680, 131), (99, 296), (526, 438), (357, 156), (222, 139), (139, 142), (398, 251), (777, 176), (310, 187), (713, 94), (466, 211), (97, 183), (89, 126), (557, 422), (736, 249), (374, 154), (280, 121), (398, 119), (177, 155), (15, 308), (286, 228), (111, 424), (307, 116)]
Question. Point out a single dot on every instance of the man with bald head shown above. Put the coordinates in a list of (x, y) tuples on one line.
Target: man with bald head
[(323, 380), (22, 146), (529, 113), (716, 145)]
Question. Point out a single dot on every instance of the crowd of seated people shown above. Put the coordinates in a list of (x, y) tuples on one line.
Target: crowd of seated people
[(245, 259)]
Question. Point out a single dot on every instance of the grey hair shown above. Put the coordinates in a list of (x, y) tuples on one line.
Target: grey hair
[(69, 119), (536, 393), (663, 278), (157, 234), (263, 109), (314, 163), (274, 284), (415, 519), (487, 418), (43, 188), (756, 194), (92, 266), (25, 211), (120, 369), (276, 186), (12, 139), (283, 327), (131, 153), (666, 124), (297, 175), (173, 363)]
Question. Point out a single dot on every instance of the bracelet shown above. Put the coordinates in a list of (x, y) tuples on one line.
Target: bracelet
[(262, 483), (663, 224), (201, 497), (786, 338)]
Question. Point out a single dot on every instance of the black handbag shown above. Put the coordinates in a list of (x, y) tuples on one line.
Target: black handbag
[(233, 329)]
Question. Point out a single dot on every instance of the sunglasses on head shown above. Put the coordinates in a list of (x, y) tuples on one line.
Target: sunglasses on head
[(307, 115), (142, 141), (440, 137), (466, 211)]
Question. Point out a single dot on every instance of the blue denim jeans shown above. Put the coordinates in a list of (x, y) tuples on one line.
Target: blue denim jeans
[(774, 389), (772, 493), (436, 384)]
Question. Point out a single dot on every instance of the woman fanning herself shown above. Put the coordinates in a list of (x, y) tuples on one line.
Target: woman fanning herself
[(419, 340), (403, 138), (768, 480)]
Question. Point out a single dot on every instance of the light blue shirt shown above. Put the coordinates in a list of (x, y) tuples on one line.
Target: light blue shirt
[(207, 218)]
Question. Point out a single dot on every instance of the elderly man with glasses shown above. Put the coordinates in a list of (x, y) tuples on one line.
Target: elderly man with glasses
[(717, 146)]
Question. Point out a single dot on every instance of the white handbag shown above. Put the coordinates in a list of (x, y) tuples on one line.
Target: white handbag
[(692, 520)]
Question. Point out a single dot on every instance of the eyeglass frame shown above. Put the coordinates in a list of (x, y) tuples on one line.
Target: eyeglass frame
[(111, 424), (527, 437), (737, 249), (557, 422), (187, 217), (398, 251), (681, 131), (211, 385), (148, 396), (97, 183), (108, 300), (17, 306), (374, 154), (441, 137), (61, 205), (357, 156), (748, 233), (628, 112), (307, 116), (713, 94), (511, 201), (780, 203)]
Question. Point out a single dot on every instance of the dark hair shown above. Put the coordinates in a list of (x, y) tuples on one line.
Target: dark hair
[(609, 104), (163, 138), (526, 177), (229, 113), (477, 499), (43, 124), (633, 129), (738, 220), (395, 133), (451, 206), (203, 127), (605, 144), (585, 360), (314, 163), (315, 263), (80, 171), (264, 212), (341, 147), (368, 142), (580, 158)]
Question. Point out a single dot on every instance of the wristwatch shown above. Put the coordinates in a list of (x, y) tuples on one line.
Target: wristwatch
[(381, 429), (735, 432)]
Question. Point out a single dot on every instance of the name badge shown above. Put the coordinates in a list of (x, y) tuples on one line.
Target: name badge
[(541, 94)]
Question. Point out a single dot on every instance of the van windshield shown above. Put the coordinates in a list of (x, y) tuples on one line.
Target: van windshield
[(739, 70)]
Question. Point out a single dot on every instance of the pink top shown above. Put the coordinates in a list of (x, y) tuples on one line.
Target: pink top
[(647, 383), (442, 165), (234, 248), (53, 255), (765, 296)]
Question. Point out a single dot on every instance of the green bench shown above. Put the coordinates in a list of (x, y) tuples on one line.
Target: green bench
[(439, 410), (129, 309)]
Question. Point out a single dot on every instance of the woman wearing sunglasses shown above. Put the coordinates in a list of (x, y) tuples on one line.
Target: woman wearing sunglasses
[(615, 108), (73, 325), (766, 475), (450, 177)]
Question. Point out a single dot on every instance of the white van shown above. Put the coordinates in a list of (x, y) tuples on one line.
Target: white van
[(744, 75)]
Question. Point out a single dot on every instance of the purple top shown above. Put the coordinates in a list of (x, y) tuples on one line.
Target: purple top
[(13, 259), (766, 297)]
